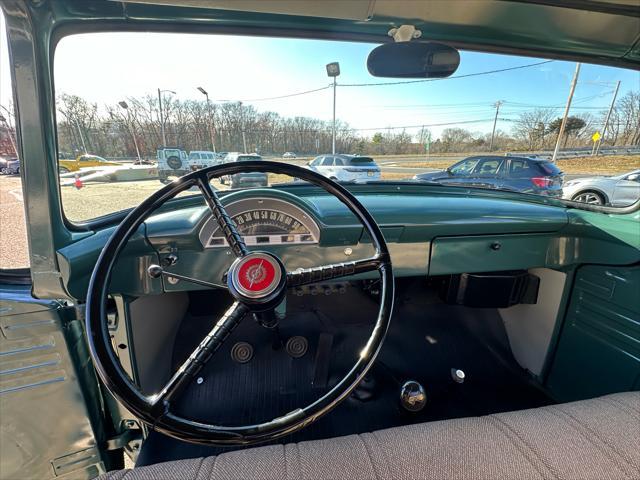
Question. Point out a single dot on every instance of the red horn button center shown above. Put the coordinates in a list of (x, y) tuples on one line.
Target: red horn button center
[(257, 275)]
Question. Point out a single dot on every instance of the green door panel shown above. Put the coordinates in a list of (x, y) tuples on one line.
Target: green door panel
[(488, 253), (599, 347), (43, 366)]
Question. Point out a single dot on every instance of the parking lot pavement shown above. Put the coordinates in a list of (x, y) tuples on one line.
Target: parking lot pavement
[(14, 252)]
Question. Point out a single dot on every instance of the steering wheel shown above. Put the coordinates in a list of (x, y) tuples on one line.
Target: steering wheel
[(258, 282)]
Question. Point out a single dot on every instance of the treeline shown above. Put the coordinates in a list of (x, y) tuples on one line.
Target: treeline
[(123, 129)]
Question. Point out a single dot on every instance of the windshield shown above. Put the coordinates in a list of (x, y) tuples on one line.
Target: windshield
[(497, 123)]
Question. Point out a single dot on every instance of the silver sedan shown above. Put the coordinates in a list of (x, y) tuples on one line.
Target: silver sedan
[(616, 191)]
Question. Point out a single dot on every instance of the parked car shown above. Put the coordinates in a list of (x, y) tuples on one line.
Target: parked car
[(518, 174), (9, 166), (203, 158), (289, 155), (617, 191), (244, 179), (346, 168), (83, 161), (172, 162)]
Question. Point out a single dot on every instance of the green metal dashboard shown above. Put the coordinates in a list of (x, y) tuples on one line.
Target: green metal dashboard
[(430, 231)]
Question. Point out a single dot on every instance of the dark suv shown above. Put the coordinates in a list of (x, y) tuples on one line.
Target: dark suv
[(518, 174), (244, 179)]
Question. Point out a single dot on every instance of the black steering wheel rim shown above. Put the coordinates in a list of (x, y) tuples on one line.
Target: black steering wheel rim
[(156, 411)]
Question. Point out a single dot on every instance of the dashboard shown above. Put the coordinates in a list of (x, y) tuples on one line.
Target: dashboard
[(428, 232)]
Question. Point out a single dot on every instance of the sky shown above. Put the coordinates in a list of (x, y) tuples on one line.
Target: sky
[(109, 67)]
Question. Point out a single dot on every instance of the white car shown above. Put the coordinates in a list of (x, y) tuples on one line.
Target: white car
[(617, 191), (289, 155), (346, 168), (203, 158)]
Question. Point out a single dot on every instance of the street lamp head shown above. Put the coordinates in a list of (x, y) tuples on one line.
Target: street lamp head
[(203, 91), (123, 104), (333, 69)]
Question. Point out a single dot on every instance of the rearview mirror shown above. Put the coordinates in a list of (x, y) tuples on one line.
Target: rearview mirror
[(413, 60)]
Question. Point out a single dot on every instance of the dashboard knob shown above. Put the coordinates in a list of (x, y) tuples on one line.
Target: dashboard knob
[(413, 396)]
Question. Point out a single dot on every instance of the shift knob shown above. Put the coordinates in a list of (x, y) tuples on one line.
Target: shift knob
[(413, 396)]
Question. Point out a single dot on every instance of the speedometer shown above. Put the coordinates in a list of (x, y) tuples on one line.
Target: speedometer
[(263, 221)]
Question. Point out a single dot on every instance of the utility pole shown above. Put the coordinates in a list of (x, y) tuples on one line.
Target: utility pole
[(495, 121), (566, 112), (606, 121)]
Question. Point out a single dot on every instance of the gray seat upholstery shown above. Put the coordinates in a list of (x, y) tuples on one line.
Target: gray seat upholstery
[(591, 439)]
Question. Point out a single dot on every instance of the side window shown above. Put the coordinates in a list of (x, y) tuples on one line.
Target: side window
[(634, 177), (316, 161), (520, 168), (488, 166), (517, 167), (327, 162), (338, 162), (465, 167)]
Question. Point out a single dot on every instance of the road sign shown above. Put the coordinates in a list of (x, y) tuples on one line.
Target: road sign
[(596, 136)]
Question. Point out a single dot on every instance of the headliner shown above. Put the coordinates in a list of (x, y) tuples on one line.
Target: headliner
[(599, 31)]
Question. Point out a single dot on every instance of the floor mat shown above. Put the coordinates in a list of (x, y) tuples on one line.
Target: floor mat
[(425, 341)]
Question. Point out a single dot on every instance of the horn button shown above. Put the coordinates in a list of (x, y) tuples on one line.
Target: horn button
[(257, 279)]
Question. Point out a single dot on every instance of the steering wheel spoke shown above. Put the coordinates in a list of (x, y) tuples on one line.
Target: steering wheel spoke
[(307, 276), (201, 355), (225, 222)]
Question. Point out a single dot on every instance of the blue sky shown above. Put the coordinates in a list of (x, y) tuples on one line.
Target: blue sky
[(106, 68)]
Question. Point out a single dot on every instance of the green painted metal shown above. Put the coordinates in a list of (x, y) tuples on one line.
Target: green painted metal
[(35, 27), (598, 351), (473, 254), (45, 376)]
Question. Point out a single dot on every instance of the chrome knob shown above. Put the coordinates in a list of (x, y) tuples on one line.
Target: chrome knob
[(413, 396)]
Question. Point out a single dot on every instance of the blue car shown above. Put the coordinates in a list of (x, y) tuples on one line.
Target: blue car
[(518, 174)]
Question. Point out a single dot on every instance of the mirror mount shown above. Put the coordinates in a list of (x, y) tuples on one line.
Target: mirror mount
[(404, 33)]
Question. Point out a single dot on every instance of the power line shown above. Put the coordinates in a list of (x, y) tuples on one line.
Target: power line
[(326, 87), (427, 125), (277, 97), (476, 74)]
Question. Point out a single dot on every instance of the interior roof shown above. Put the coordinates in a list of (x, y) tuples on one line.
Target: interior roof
[(595, 31)]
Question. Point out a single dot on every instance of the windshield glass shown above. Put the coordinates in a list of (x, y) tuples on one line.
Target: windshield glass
[(151, 98)]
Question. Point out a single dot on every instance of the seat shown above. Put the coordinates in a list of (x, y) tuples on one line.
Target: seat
[(590, 439)]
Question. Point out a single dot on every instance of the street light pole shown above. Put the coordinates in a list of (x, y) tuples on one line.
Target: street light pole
[(333, 137), (333, 70), (244, 138), (125, 106), (206, 94), (164, 136)]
